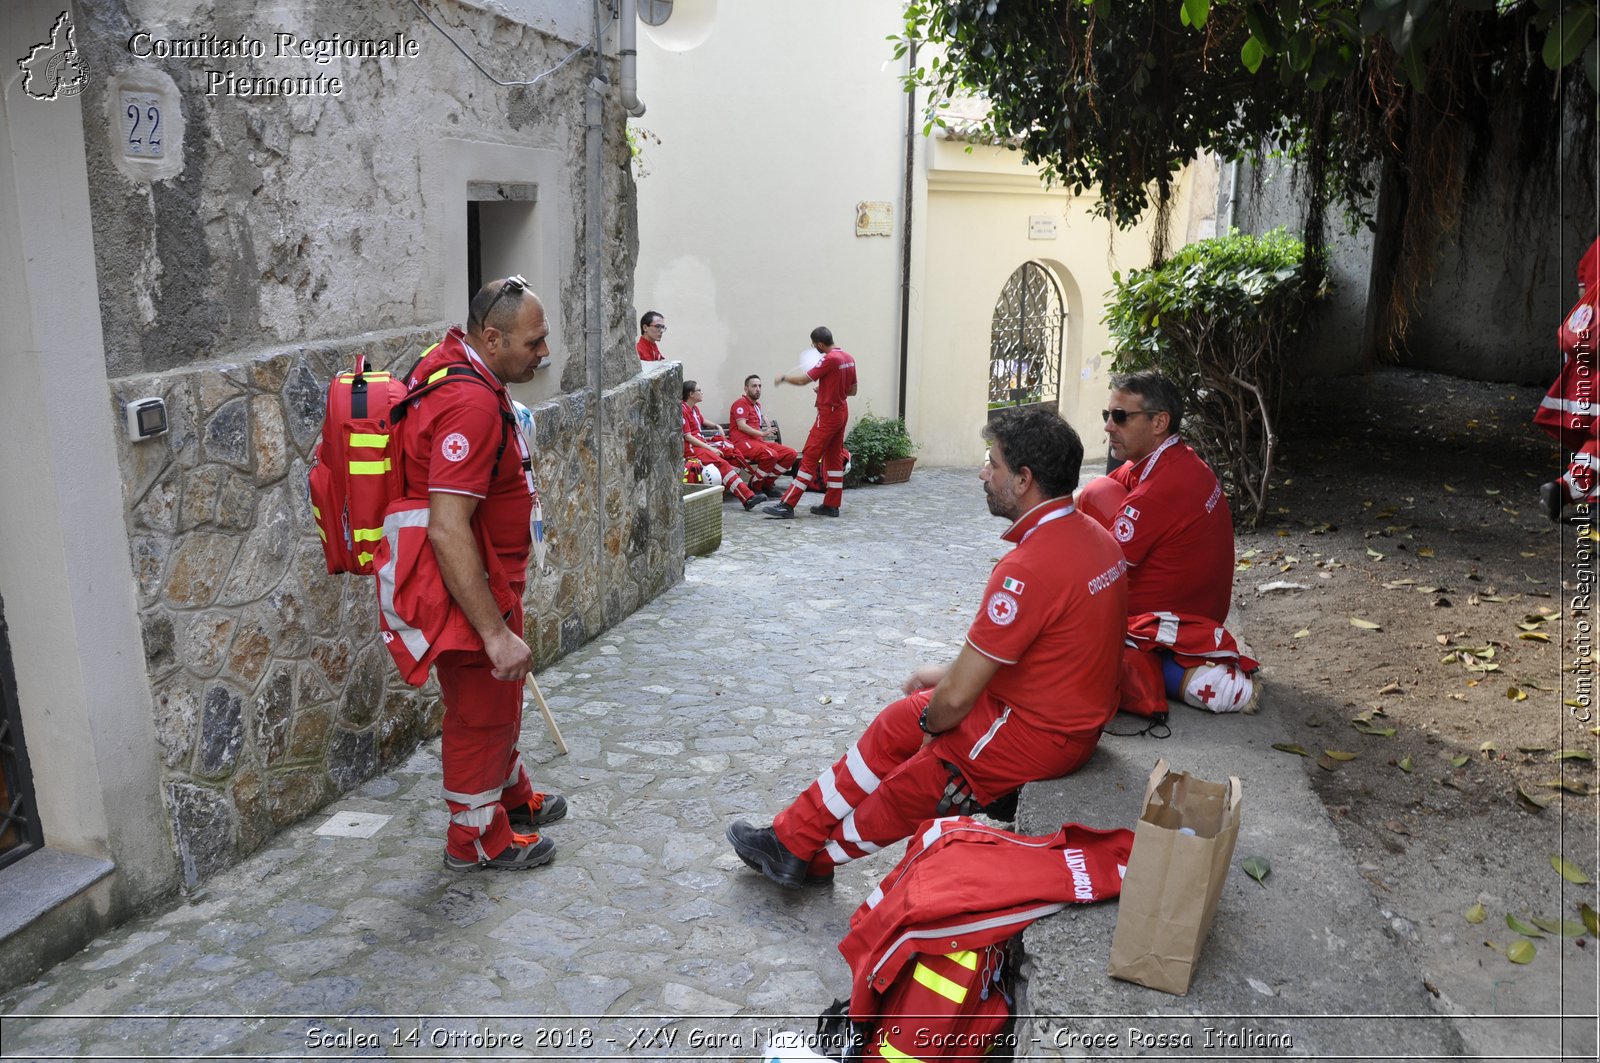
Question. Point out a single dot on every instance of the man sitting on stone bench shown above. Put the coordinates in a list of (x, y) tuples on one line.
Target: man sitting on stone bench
[(1025, 699), (1166, 508)]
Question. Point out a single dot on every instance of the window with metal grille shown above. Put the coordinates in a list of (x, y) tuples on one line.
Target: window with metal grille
[(1025, 340), (20, 833)]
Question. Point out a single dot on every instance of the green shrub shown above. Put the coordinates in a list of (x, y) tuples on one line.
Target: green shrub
[(872, 443), (1219, 318)]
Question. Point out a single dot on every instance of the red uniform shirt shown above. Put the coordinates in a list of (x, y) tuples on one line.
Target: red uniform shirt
[(835, 376), (1177, 532), (648, 350), (449, 441), (1053, 615), (746, 409)]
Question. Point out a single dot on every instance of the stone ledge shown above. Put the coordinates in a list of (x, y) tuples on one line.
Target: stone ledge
[(41, 881)]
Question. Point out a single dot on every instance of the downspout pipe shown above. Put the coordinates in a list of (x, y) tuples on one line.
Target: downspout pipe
[(905, 234), (628, 51), (594, 232)]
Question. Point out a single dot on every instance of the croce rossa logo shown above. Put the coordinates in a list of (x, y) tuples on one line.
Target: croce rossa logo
[(53, 70)]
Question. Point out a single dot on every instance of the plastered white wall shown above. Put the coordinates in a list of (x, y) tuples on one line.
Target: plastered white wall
[(64, 572), (771, 130)]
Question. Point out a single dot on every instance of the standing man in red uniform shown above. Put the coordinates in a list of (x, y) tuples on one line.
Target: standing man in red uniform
[(835, 377), (651, 328), (1025, 698), (1167, 510), (753, 437), (460, 451)]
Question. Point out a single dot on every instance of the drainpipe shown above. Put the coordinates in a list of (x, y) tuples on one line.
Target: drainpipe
[(905, 233), (594, 230), (627, 49), (1233, 197)]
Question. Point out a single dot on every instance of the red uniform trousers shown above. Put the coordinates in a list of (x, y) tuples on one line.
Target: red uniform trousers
[(765, 459), (731, 481), (483, 773), (824, 450), (889, 782)]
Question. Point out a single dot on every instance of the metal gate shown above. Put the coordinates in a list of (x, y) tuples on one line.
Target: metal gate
[(19, 822), (1025, 340)]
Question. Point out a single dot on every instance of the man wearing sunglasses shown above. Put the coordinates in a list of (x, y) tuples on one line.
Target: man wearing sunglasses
[(466, 466), (1167, 509)]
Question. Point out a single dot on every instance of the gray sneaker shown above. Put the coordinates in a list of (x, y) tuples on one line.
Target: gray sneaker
[(544, 808), (525, 851)]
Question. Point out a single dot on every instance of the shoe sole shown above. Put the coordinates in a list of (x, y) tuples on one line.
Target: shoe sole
[(757, 863), (455, 864)]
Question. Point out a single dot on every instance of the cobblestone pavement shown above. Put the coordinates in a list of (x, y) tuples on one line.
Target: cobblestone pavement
[(645, 938)]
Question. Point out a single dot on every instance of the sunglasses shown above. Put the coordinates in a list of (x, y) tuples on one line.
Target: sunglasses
[(515, 283), (1120, 416)]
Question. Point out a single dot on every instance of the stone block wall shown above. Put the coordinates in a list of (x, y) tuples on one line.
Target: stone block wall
[(271, 691)]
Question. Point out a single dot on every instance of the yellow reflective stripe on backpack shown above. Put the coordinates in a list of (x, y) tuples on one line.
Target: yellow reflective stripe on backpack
[(369, 468), (889, 1051), (952, 991), (437, 373), (348, 378), (364, 559), (969, 960), (366, 535), (369, 439)]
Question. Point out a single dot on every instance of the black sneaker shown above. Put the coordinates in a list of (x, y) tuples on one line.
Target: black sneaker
[(544, 808), (1003, 809), (779, 510), (752, 502), (524, 852), (1550, 499), (825, 511), (761, 850)]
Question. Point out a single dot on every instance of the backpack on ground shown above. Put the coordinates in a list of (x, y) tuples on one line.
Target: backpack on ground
[(354, 473)]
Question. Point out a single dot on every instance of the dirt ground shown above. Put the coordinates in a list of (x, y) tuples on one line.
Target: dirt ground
[(1408, 501)]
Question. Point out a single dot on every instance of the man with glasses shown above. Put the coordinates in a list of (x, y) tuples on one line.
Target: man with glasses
[(1167, 509), (466, 467), (1024, 699), (651, 328)]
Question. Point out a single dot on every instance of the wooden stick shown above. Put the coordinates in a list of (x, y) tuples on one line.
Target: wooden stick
[(549, 720)]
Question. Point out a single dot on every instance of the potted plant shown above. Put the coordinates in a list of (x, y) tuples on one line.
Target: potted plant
[(880, 451)]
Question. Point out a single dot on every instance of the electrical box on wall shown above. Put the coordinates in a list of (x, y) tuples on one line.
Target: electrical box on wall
[(147, 418), (146, 124)]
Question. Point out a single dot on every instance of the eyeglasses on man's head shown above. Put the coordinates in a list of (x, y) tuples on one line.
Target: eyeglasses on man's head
[(514, 283)]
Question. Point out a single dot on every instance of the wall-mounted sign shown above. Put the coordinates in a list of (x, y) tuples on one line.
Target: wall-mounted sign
[(874, 218), (1041, 227)]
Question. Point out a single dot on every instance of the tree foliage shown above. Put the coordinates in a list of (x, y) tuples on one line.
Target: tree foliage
[(1218, 319), (1118, 95)]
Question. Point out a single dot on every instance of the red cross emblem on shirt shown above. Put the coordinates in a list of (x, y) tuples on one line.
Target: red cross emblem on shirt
[(1002, 608)]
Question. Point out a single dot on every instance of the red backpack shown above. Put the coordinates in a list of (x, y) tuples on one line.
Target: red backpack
[(353, 477), (349, 475)]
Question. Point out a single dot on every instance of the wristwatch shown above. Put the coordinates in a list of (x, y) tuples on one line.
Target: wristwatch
[(922, 722)]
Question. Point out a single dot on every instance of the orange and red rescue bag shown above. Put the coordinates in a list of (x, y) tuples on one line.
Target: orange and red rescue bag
[(350, 469)]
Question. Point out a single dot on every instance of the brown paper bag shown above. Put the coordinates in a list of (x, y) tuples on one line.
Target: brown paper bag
[(1174, 878)]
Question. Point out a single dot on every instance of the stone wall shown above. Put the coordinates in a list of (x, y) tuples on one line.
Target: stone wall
[(271, 692), (281, 235), (1500, 283)]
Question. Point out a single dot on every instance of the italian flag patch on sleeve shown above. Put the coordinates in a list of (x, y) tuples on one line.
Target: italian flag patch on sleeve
[(1012, 585)]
